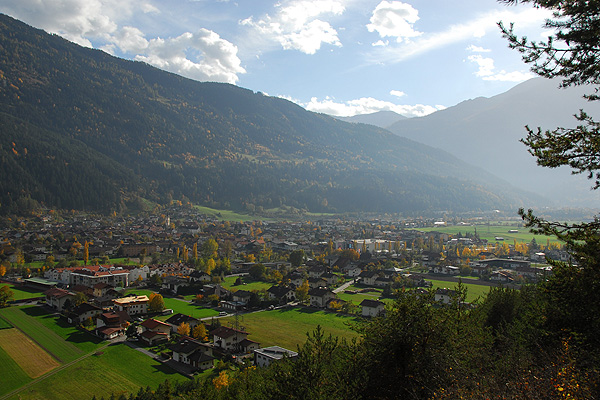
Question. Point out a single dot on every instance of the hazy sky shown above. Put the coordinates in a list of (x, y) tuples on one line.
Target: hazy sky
[(333, 56)]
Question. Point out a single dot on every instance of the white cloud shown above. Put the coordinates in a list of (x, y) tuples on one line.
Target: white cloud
[(487, 71), (367, 105), (218, 60), (476, 49), (380, 43), (394, 19), (397, 93), (203, 55), (476, 28), (298, 24)]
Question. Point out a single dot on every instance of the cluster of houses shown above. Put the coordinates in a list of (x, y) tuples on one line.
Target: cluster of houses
[(502, 270)]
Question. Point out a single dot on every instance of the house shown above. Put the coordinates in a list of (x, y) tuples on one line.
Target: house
[(134, 305), (368, 277), (173, 283), (330, 278), (193, 353), (444, 269), (200, 276), (444, 295), (296, 279), (177, 319), (228, 339), (316, 272), (265, 356), (320, 296), (352, 270), (56, 298), (154, 331), (112, 324), (82, 312), (501, 276), (382, 281), (248, 346), (242, 296), (372, 308), (283, 294), (101, 289), (314, 283)]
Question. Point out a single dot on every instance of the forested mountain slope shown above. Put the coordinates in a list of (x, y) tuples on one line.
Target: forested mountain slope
[(82, 129)]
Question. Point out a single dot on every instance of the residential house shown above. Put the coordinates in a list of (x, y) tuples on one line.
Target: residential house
[(248, 346), (193, 353), (368, 277), (320, 296), (283, 294), (314, 283), (372, 308), (228, 339), (330, 278), (444, 269), (444, 295), (56, 298), (154, 331), (82, 312), (177, 319), (265, 356), (112, 324), (134, 305)]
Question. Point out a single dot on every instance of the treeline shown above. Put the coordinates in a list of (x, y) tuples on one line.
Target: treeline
[(100, 131), (537, 343)]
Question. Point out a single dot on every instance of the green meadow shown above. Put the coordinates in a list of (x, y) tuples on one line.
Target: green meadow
[(490, 232), (288, 327), (116, 369)]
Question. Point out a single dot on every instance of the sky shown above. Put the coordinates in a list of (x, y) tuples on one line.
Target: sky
[(340, 57)]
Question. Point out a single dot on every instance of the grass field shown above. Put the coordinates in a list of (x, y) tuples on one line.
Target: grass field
[(225, 215), (119, 369), (30, 357), (357, 298), (80, 339), (179, 306), (288, 327), (24, 293), (492, 231), (4, 324), (250, 285), (13, 376), (50, 341), (473, 291)]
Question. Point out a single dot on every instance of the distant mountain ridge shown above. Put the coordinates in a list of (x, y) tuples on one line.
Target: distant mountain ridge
[(84, 130), (486, 133), (382, 119)]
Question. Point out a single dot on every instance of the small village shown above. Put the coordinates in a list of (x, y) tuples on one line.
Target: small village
[(134, 280)]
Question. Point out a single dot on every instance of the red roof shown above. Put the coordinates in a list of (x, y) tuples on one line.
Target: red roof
[(153, 324)]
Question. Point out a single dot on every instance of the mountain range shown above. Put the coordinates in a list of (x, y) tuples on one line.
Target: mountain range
[(486, 132), (81, 129), (382, 119)]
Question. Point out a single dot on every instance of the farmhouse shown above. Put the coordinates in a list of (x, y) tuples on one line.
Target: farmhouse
[(444, 295)]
